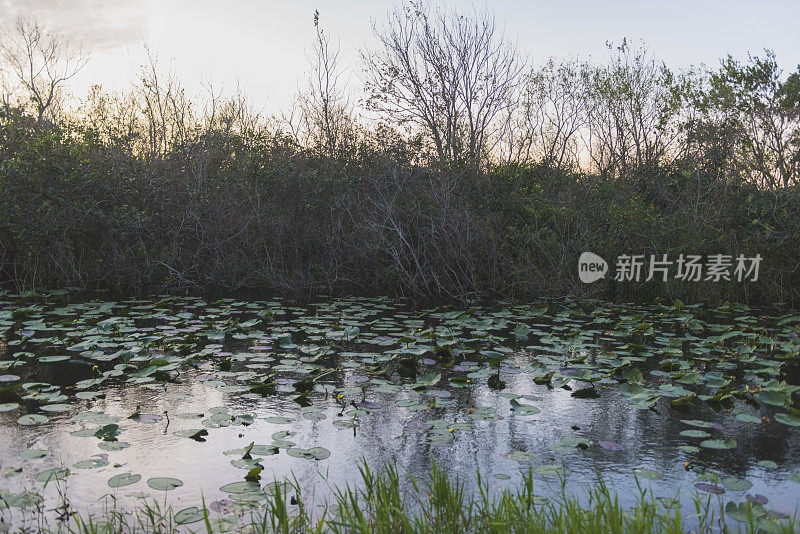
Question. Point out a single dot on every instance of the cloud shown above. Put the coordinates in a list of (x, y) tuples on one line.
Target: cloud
[(102, 24)]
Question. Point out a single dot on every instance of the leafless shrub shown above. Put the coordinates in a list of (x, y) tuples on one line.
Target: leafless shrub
[(446, 74)]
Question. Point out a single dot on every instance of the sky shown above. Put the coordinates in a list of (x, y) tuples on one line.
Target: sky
[(263, 45)]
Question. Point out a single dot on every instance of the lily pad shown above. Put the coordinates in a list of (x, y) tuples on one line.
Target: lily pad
[(241, 487), (164, 483), (319, 453), (695, 434), (91, 463), (33, 454), (736, 484), (787, 419), (51, 475), (32, 419), (124, 479), (113, 445), (648, 473), (189, 515), (729, 443)]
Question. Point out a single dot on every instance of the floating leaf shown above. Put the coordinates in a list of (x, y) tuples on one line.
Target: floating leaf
[(709, 488), (32, 419), (164, 483), (57, 473), (729, 443), (188, 516), (648, 473), (91, 463), (520, 456), (197, 434), (33, 454), (124, 479), (319, 453), (241, 487), (736, 484), (787, 419), (695, 434), (523, 409), (695, 422), (113, 445), (747, 418)]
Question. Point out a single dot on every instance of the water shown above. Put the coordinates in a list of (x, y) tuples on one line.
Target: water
[(363, 379)]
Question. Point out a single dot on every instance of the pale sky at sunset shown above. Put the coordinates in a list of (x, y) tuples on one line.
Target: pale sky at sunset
[(264, 43)]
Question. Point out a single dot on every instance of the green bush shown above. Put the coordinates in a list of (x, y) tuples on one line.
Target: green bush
[(261, 215)]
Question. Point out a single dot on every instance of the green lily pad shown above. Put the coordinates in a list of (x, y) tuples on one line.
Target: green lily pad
[(113, 445), (695, 434), (32, 419), (278, 420), (52, 359), (787, 419), (319, 453), (729, 443), (736, 484), (241, 487), (33, 454), (56, 407), (91, 463), (124, 479), (51, 475), (748, 418), (25, 499), (648, 473), (189, 515), (164, 483), (697, 423)]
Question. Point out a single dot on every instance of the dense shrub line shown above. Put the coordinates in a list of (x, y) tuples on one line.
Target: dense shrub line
[(266, 216)]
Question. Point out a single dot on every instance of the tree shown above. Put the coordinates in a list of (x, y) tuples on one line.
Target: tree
[(633, 108), (41, 62), (556, 106), (321, 115), (445, 73), (747, 121)]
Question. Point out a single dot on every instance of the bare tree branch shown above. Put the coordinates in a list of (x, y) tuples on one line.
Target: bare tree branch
[(41, 61)]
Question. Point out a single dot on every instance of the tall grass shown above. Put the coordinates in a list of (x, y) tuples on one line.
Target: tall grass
[(382, 503)]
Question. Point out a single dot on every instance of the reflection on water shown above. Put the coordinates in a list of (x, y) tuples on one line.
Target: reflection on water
[(413, 435)]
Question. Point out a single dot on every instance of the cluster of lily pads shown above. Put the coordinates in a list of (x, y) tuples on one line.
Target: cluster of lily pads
[(369, 354)]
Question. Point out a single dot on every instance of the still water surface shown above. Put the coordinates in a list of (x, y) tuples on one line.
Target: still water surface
[(692, 400)]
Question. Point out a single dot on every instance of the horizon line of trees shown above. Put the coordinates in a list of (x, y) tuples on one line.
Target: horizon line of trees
[(443, 88)]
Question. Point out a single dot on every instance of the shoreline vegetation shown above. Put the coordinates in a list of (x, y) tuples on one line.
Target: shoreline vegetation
[(457, 171), (384, 502)]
